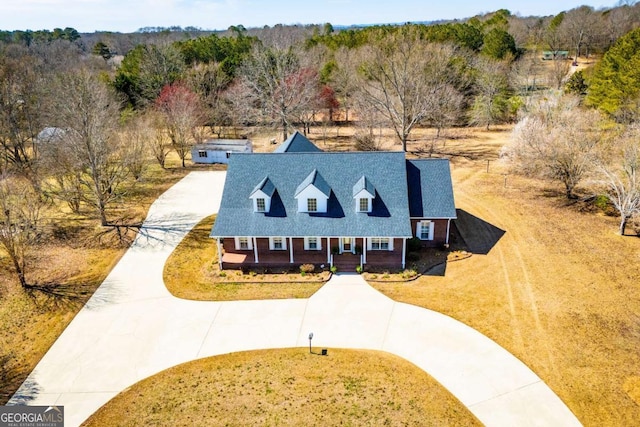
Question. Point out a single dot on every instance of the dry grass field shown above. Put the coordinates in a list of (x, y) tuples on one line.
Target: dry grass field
[(74, 258), (559, 289), (288, 387), (192, 272)]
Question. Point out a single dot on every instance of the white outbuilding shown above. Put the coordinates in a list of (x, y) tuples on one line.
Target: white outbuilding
[(219, 150)]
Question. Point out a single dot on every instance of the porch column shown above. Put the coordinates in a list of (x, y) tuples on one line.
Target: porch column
[(364, 250), (448, 229), (404, 251), (328, 250), (219, 252), (291, 250), (255, 249)]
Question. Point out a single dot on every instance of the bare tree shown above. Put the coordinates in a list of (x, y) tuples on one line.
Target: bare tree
[(20, 209), (558, 72), (182, 114), (20, 111), (238, 98), (88, 112), (559, 141), (135, 140), (406, 80), (209, 81), (526, 75), (492, 85), (281, 90), (621, 178)]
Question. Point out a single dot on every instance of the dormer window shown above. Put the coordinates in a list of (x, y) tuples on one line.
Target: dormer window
[(363, 204), (262, 194), (313, 193), (364, 193)]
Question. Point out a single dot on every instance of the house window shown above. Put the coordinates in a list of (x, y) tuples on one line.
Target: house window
[(202, 153), (379, 243), (424, 230), (260, 205), (312, 205), (277, 243), (363, 205), (312, 244), (243, 243)]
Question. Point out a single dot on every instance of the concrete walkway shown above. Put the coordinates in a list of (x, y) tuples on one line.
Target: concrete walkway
[(133, 328)]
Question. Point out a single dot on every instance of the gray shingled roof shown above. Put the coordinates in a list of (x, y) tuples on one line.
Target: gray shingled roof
[(386, 171), (297, 143), (364, 184), (430, 189), (266, 186), (317, 181)]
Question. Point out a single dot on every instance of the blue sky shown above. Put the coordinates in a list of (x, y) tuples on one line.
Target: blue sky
[(129, 15)]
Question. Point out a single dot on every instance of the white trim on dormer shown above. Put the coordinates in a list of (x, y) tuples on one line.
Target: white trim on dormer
[(261, 195), (311, 192)]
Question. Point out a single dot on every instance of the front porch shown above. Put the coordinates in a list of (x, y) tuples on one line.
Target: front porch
[(258, 253)]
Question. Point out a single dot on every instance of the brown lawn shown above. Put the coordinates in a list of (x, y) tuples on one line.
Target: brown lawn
[(559, 289), (288, 387), (192, 272)]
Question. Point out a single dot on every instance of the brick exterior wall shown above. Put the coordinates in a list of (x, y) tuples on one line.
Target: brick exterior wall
[(280, 258), (439, 232)]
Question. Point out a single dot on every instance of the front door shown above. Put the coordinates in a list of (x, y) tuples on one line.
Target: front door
[(346, 244)]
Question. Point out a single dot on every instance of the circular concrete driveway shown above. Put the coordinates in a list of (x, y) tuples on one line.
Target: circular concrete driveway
[(132, 328)]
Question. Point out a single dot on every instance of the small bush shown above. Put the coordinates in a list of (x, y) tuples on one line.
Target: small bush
[(374, 276), (359, 269), (366, 142), (222, 274), (307, 268), (408, 274), (334, 269), (414, 244), (413, 256), (303, 273)]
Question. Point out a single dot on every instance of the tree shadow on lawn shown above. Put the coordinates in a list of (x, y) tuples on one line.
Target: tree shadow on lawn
[(479, 236)]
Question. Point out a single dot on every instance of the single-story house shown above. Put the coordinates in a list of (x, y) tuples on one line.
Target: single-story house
[(548, 55), (219, 150), (330, 208)]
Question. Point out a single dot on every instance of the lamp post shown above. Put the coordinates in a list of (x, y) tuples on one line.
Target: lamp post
[(310, 338)]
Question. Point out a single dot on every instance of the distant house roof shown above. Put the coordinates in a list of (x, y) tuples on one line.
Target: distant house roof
[(223, 144), (297, 143), (386, 171), (430, 189), (50, 134)]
